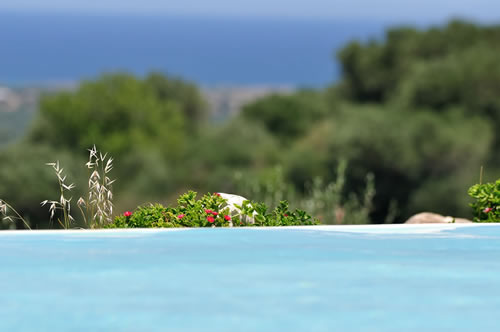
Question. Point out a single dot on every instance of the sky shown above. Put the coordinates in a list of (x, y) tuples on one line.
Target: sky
[(393, 10)]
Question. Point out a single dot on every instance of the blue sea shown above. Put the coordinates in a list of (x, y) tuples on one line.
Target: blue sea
[(59, 47)]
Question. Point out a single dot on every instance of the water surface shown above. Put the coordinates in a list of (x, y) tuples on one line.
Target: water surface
[(384, 278)]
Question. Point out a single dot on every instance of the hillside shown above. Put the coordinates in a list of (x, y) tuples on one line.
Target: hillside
[(19, 105)]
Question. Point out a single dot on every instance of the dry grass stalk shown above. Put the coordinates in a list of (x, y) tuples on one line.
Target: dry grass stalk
[(63, 204), (97, 208), (4, 209)]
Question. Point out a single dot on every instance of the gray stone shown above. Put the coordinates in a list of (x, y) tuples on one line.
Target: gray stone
[(434, 218)]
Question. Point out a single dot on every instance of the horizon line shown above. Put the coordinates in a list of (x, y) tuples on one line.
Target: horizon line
[(388, 21)]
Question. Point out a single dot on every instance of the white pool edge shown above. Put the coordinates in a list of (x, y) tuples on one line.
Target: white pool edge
[(378, 229), (395, 228)]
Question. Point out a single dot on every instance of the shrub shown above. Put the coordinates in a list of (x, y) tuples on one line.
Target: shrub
[(327, 201), (486, 208), (210, 211), (331, 205), (146, 217)]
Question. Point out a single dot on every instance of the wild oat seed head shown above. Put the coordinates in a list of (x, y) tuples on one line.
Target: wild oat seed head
[(95, 175), (71, 186)]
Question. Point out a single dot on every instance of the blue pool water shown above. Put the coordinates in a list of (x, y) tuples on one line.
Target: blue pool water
[(384, 278)]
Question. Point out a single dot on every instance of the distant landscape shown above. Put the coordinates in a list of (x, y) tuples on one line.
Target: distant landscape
[(18, 105), (354, 123), (234, 61)]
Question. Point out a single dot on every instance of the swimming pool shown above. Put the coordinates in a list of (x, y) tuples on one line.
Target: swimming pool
[(318, 278)]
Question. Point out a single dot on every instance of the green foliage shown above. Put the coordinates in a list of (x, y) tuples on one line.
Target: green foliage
[(236, 143), (287, 116), (17, 184), (146, 175), (186, 95), (405, 150), (469, 79), (280, 216), (269, 186), (418, 109), (449, 76), (486, 208), (146, 217), (149, 125), (197, 213), (372, 72), (327, 201), (25, 180), (118, 112), (236, 146), (210, 211), (455, 66)]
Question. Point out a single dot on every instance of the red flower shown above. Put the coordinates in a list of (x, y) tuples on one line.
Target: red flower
[(227, 218), (127, 214), (285, 215), (488, 209), (214, 213), (211, 220), (180, 216), (208, 211), (217, 194)]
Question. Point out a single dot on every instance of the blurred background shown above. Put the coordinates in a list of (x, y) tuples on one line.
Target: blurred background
[(359, 111)]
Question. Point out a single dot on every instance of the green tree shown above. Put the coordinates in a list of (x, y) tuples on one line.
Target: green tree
[(372, 71), (187, 95), (118, 112), (287, 116), (407, 151)]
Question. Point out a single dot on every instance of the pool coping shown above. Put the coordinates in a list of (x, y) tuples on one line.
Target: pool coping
[(380, 228)]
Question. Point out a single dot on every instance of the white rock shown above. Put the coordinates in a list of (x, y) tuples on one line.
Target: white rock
[(233, 200), (434, 218)]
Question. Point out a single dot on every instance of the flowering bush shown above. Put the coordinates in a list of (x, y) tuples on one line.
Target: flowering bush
[(210, 211), (487, 205)]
